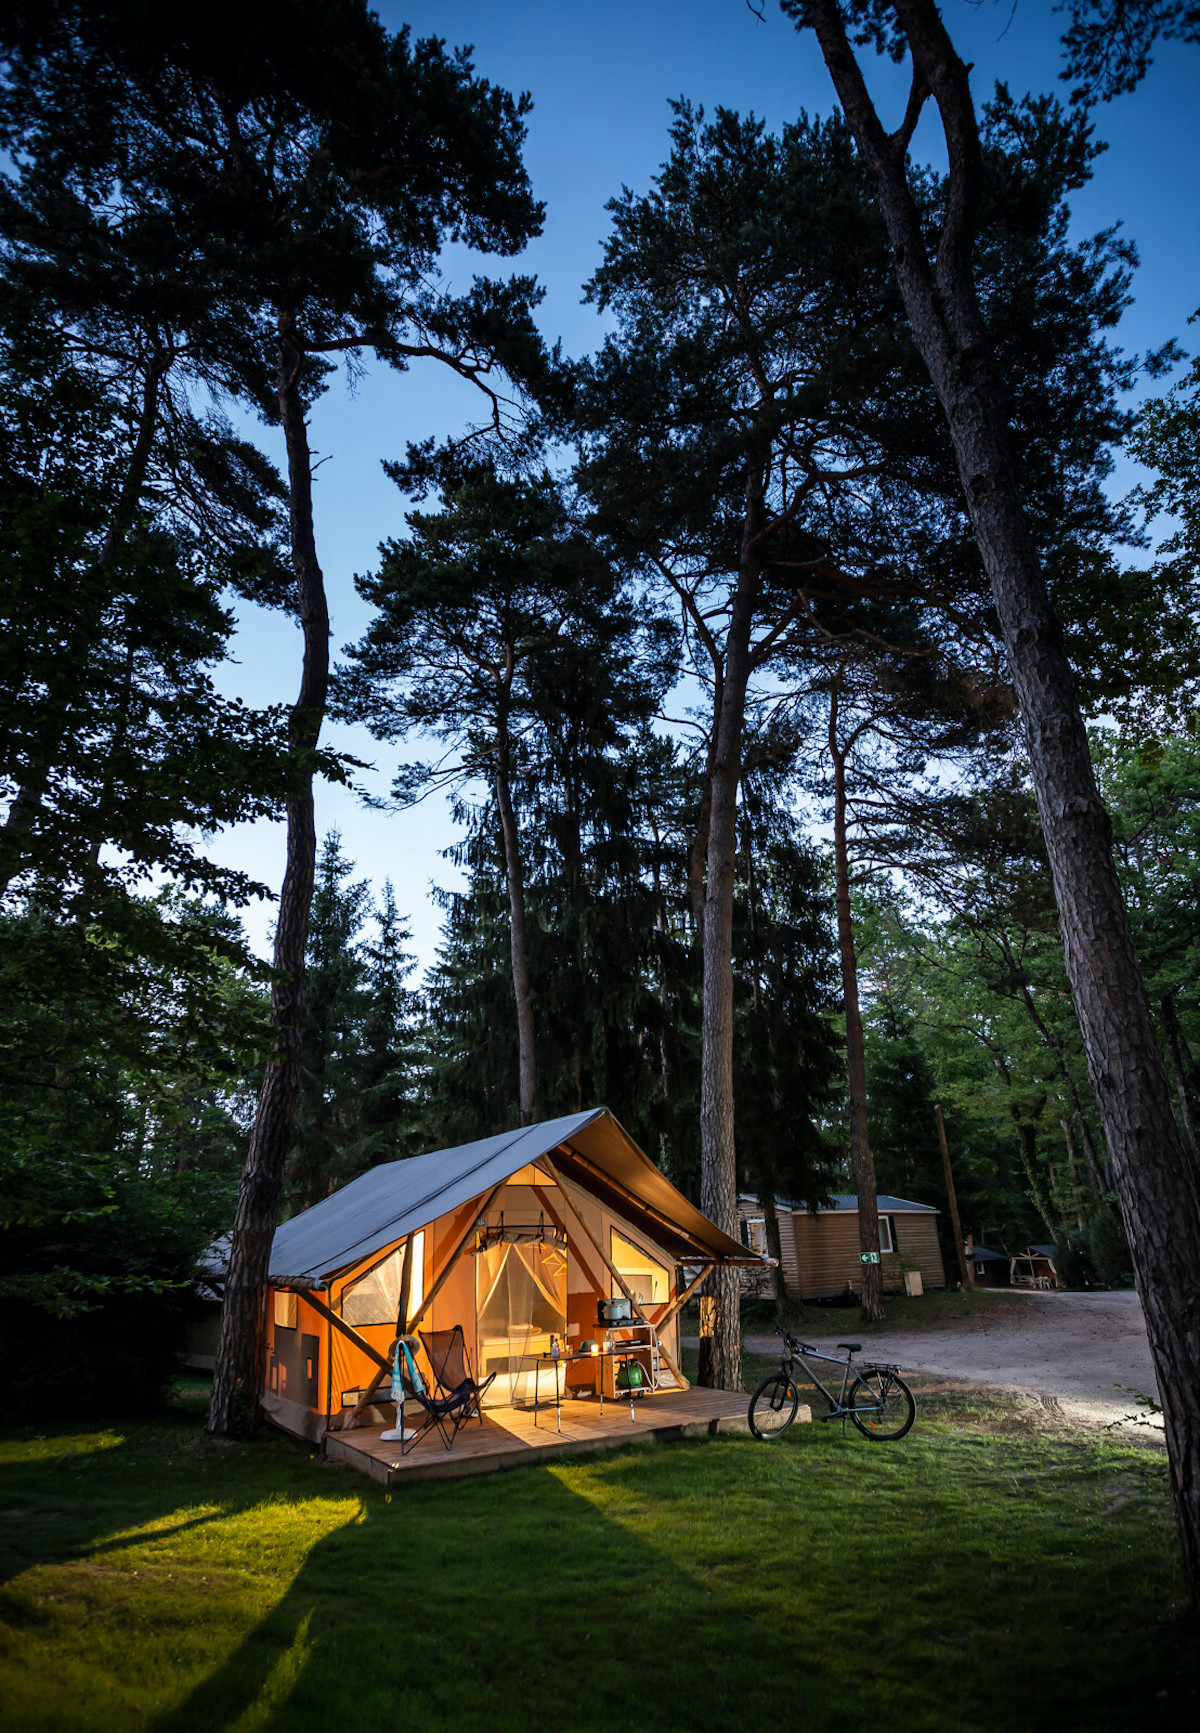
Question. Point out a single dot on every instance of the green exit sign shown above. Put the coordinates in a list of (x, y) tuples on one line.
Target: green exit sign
[(868, 1257)]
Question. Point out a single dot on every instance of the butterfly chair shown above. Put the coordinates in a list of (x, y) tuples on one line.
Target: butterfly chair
[(459, 1397)]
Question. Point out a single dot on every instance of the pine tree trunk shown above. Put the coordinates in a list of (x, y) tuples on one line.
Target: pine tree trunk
[(856, 1061), (241, 1357), (1178, 1054), (518, 932), (718, 1156), (1155, 1180), (1068, 1082), (774, 1245)]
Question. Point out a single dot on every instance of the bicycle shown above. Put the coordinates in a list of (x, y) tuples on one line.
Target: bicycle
[(879, 1402)]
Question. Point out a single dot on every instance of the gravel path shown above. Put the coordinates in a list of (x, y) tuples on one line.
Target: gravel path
[(1073, 1349)]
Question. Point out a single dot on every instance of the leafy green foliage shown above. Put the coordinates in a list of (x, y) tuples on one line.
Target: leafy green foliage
[(127, 1053)]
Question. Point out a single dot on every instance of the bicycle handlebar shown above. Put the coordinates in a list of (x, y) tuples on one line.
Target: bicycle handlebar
[(793, 1343)]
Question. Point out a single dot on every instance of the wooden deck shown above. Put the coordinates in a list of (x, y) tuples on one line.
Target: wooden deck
[(508, 1436)]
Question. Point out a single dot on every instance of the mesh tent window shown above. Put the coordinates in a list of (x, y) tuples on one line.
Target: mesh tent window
[(375, 1297)]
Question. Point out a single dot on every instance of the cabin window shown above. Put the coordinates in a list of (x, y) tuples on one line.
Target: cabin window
[(644, 1276), (375, 1297), (887, 1237), (754, 1235)]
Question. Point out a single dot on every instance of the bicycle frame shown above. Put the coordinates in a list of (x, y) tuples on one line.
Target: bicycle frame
[(800, 1351)]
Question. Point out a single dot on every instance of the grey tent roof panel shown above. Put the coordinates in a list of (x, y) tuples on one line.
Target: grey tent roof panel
[(387, 1202)]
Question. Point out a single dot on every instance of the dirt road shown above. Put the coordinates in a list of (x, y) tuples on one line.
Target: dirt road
[(1069, 1349)]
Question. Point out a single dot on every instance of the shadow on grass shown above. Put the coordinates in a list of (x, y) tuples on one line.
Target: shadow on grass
[(825, 1581), (504, 1602), (70, 1512)]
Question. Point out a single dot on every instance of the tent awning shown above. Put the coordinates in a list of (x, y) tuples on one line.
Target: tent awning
[(384, 1204)]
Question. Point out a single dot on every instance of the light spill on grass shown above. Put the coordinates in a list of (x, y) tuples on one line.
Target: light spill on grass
[(827, 1580)]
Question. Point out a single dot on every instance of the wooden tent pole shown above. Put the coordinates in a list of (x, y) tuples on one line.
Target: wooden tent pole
[(588, 1271), (965, 1270), (367, 1396), (680, 1300), (346, 1330), (617, 1277), (613, 1184), (436, 1289), (405, 1302)]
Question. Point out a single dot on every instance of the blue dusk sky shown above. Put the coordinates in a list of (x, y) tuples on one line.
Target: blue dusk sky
[(601, 77)]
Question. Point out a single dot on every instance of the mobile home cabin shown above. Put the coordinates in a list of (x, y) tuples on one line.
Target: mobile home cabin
[(819, 1250)]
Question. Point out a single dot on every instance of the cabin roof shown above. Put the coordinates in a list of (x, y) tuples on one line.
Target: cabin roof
[(846, 1203)]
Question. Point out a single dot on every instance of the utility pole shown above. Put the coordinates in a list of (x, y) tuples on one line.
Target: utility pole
[(968, 1274)]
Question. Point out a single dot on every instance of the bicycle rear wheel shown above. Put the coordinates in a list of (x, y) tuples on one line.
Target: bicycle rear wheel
[(881, 1404), (773, 1407)]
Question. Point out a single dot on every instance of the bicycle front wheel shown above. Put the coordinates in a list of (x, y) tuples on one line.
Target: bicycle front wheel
[(881, 1404), (773, 1407)]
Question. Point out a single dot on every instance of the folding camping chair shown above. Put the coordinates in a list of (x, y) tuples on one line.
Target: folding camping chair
[(459, 1397)]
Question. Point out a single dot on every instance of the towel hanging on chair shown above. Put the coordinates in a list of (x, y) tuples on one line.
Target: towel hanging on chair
[(406, 1380)]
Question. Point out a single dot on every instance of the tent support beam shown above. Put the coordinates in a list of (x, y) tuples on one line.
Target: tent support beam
[(350, 1421), (623, 1191), (620, 1281), (409, 1326), (680, 1300), (310, 1299), (459, 1249), (588, 1271)]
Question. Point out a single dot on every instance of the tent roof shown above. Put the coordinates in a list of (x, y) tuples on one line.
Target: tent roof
[(387, 1202)]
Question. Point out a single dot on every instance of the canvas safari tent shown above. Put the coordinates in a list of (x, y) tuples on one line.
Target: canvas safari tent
[(516, 1237)]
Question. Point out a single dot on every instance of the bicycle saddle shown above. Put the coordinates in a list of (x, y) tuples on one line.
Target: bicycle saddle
[(854, 1347)]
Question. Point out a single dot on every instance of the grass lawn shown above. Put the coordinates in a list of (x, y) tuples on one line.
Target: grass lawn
[(986, 1573)]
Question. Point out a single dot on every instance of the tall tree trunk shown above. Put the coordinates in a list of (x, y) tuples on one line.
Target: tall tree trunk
[(1073, 1170), (518, 932), (1064, 1072), (1180, 1064), (1155, 1180), (238, 1377), (856, 1060), (766, 1199), (722, 1366)]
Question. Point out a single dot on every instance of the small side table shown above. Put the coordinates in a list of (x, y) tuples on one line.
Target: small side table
[(624, 1355)]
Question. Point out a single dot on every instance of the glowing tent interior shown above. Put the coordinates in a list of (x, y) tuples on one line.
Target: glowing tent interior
[(517, 1238)]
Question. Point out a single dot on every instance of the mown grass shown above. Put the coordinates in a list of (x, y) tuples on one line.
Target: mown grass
[(989, 1573)]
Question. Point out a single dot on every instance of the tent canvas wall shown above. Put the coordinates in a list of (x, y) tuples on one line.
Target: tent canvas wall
[(515, 1238)]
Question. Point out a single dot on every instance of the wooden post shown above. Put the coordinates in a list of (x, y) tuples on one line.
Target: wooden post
[(968, 1274), (368, 1395), (672, 1306), (346, 1330), (436, 1289), (617, 1277)]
